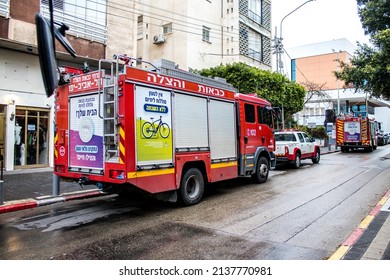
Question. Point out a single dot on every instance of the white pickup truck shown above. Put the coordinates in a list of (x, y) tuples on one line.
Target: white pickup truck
[(294, 146)]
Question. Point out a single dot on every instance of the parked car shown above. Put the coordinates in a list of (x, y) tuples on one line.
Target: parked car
[(294, 146), (386, 138), (381, 138)]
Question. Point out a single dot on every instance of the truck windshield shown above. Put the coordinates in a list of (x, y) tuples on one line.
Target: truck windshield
[(264, 116)]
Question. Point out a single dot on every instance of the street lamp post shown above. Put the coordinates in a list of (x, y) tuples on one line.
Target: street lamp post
[(279, 48), (338, 87), (279, 41)]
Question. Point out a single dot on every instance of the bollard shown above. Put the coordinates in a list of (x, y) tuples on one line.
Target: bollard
[(1, 192), (56, 185)]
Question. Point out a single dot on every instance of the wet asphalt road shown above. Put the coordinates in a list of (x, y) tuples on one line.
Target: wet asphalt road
[(302, 214)]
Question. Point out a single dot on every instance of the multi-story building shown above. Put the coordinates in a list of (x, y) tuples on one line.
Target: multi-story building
[(205, 33), (193, 34), (315, 64)]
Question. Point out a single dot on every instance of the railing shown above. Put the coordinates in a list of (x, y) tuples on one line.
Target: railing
[(255, 17), (254, 54), (79, 27), (4, 8)]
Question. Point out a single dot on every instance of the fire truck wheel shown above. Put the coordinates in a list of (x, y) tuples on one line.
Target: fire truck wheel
[(191, 187), (297, 161), (262, 170), (317, 157)]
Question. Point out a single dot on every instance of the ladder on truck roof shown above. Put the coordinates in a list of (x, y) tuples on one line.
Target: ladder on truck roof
[(169, 68), (108, 97)]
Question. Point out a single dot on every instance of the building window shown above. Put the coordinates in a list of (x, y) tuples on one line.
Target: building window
[(167, 28), (254, 45), (4, 8), (254, 10), (250, 116), (86, 18), (140, 27), (257, 10), (206, 34)]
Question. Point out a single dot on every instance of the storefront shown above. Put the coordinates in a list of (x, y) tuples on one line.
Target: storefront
[(26, 113), (31, 137)]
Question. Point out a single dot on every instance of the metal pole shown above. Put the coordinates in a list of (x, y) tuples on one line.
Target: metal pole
[(279, 49), (1, 181), (1, 192), (56, 185)]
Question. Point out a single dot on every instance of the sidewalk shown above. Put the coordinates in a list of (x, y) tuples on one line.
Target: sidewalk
[(329, 149), (31, 188)]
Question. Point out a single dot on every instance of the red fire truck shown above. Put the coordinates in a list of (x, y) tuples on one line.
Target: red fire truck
[(166, 131), (354, 132)]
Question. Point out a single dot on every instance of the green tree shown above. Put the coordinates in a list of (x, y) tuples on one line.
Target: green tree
[(369, 70), (271, 86)]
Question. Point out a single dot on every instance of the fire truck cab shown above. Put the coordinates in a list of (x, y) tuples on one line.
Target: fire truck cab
[(167, 132)]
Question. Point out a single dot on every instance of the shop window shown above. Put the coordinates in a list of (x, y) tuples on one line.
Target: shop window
[(31, 137)]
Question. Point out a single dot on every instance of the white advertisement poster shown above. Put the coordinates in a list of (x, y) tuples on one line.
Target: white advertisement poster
[(153, 126), (86, 132)]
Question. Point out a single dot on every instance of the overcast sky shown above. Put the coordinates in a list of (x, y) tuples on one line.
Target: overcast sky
[(317, 21)]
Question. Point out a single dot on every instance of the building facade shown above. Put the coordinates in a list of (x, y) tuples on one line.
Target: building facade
[(205, 33), (315, 64), (193, 34)]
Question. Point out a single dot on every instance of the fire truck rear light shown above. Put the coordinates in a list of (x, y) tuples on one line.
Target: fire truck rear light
[(117, 174), (60, 168)]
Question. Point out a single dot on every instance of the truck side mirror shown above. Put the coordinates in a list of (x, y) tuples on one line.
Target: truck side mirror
[(46, 51), (47, 60)]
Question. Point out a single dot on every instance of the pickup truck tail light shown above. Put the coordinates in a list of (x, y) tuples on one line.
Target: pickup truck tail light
[(286, 150)]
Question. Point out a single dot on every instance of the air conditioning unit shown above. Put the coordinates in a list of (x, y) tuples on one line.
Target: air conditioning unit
[(158, 39)]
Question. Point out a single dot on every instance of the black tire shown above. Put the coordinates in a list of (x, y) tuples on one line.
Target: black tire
[(262, 171), (191, 187), (317, 157), (297, 161)]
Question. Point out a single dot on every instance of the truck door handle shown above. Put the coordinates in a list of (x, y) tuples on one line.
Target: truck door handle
[(246, 140)]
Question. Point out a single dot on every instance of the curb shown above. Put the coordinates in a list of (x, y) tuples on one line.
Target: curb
[(33, 203), (358, 232)]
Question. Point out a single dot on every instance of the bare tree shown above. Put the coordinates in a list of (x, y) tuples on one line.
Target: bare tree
[(316, 93)]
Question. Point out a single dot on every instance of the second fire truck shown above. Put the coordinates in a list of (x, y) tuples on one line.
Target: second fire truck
[(354, 132), (167, 132)]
